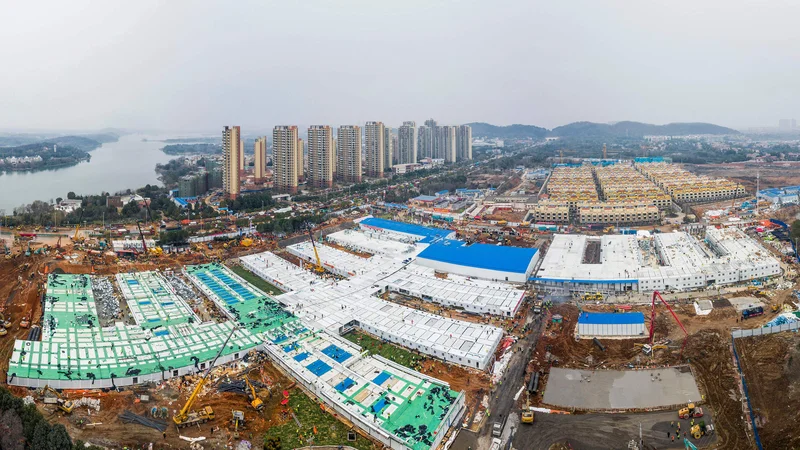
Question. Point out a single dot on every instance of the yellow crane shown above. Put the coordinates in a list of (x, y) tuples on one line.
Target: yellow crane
[(75, 237), (255, 402), (318, 268), (185, 416)]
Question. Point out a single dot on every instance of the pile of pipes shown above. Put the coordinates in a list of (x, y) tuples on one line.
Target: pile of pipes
[(107, 303), (129, 417), (92, 403), (181, 289)]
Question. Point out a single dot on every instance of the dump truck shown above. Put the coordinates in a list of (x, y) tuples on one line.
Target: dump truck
[(752, 312), (691, 411)]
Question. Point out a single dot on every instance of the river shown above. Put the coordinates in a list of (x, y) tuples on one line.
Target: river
[(128, 163)]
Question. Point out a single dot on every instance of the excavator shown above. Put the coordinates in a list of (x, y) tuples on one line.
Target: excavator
[(255, 402), (64, 405), (238, 422), (527, 414), (186, 417), (318, 268), (4, 324), (76, 237)]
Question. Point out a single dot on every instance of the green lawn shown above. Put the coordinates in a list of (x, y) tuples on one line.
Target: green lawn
[(255, 280), (329, 430), (389, 351)]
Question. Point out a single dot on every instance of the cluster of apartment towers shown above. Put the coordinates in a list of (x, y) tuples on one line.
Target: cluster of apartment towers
[(339, 157)]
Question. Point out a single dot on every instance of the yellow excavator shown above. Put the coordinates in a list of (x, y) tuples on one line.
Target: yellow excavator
[(186, 416), (255, 402), (318, 268), (76, 237), (64, 405), (527, 414)]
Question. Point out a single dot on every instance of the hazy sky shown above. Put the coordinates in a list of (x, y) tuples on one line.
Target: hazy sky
[(197, 65)]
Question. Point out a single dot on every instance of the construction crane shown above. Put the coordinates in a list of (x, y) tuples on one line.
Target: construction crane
[(141, 235), (185, 416), (255, 402), (75, 237), (64, 405), (318, 268), (657, 295)]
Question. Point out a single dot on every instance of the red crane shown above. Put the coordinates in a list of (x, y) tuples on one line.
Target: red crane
[(656, 294), (144, 244)]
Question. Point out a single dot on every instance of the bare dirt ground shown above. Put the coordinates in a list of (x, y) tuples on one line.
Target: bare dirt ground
[(771, 365), (707, 351), (776, 174)]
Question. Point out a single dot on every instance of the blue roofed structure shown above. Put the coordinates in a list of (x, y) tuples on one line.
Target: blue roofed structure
[(610, 324), (480, 260), (407, 230)]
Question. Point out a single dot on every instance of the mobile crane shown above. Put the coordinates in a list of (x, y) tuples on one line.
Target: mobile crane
[(75, 237), (185, 416), (318, 268)]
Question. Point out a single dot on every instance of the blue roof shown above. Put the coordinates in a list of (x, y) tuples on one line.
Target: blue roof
[(484, 256), (443, 192), (429, 234), (611, 318)]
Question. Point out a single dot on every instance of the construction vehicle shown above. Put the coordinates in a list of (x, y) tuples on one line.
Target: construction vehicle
[(596, 296), (691, 411), (5, 322), (237, 421), (318, 268), (64, 405), (25, 322), (752, 312), (141, 235), (186, 417), (657, 295), (527, 414), (648, 349), (76, 237), (246, 242), (701, 429), (255, 402)]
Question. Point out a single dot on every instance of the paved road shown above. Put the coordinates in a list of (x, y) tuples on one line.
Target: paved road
[(502, 403), (604, 431)]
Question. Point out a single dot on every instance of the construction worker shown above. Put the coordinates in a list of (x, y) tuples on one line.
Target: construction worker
[(672, 424), (692, 422)]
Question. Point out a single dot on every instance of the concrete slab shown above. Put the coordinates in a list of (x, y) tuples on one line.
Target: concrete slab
[(741, 303), (620, 389)]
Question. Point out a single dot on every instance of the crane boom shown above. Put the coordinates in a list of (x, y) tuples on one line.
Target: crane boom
[(78, 226), (319, 268), (656, 294), (181, 416), (141, 235)]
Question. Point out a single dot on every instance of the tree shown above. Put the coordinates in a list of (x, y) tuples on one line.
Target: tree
[(130, 209), (272, 443), (11, 437), (58, 438), (71, 195), (795, 227), (40, 435)]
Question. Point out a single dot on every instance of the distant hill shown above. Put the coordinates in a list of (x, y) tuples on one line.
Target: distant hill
[(637, 129), (481, 129), (592, 129)]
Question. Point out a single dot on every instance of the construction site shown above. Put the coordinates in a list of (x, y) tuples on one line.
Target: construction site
[(390, 334)]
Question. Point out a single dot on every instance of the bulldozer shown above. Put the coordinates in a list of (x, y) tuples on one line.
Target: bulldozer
[(691, 411)]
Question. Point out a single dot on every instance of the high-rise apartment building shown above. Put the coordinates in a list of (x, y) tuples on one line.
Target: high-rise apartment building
[(374, 148), (407, 143), (320, 156), (428, 140), (348, 153), (445, 147), (389, 140), (230, 157), (464, 143), (241, 154), (260, 159), (395, 146), (300, 161), (284, 158)]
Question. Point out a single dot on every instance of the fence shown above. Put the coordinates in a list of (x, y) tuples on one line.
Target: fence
[(746, 395), (736, 334)]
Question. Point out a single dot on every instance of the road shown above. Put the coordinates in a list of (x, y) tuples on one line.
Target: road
[(502, 403), (604, 431)]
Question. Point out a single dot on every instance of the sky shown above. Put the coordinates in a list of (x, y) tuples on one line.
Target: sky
[(198, 65)]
